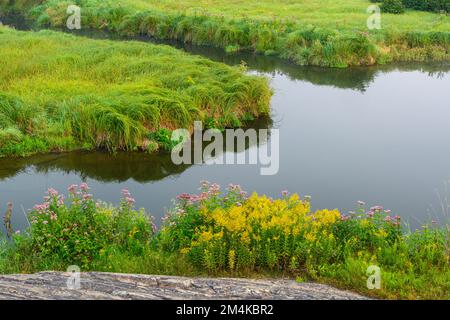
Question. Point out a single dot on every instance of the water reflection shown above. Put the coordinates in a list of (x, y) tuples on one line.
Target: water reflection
[(115, 168), (380, 134), (356, 78)]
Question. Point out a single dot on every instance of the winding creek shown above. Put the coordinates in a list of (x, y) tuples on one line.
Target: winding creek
[(381, 135)]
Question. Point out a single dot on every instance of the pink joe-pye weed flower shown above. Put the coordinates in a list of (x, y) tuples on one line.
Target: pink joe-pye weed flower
[(130, 201), (52, 192), (84, 187), (72, 189), (87, 197), (126, 193)]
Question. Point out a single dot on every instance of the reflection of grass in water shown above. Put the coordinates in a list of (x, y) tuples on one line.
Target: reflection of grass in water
[(60, 92), (324, 33), (106, 167), (357, 78)]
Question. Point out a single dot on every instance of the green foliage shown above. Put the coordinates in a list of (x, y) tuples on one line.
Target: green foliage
[(164, 139), (110, 95), (428, 5), (231, 234), (392, 6), (300, 30), (79, 230)]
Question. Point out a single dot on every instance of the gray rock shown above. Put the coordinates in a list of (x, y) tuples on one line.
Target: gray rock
[(97, 285)]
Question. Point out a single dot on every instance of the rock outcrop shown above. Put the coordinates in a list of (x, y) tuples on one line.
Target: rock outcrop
[(96, 285)]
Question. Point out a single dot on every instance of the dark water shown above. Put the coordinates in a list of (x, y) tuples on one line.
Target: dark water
[(381, 135)]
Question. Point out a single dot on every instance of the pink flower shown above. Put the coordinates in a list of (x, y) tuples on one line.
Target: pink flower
[(61, 200), (45, 222), (87, 197), (361, 203), (72, 189), (204, 185), (388, 219), (387, 211), (214, 189), (130, 201), (184, 196), (41, 208), (52, 192), (234, 188), (285, 193), (53, 216), (125, 193), (84, 187)]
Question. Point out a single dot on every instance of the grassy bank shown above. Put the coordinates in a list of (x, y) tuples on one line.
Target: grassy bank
[(60, 92), (323, 33), (231, 234)]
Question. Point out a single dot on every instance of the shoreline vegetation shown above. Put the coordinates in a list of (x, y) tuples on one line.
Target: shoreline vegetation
[(232, 234), (61, 92), (328, 33)]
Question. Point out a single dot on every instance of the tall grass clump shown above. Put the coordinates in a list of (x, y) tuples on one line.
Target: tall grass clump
[(60, 92), (306, 37)]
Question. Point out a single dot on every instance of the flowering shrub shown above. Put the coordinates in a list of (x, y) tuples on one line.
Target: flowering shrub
[(79, 229), (232, 231)]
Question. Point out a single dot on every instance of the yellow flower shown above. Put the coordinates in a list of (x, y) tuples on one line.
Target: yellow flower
[(206, 236), (185, 250), (245, 238), (311, 237)]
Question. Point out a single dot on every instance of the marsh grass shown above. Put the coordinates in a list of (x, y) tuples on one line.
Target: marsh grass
[(59, 92), (322, 33)]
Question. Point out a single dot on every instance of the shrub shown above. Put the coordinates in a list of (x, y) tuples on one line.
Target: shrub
[(79, 230), (392, 6), (228, 233), (235, 232), (428, 5)]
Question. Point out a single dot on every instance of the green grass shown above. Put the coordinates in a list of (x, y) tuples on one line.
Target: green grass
[(232, 235), (59, 92), (323, 33)]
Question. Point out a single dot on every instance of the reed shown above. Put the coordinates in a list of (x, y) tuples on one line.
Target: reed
[(60, 92), (323, 33)]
